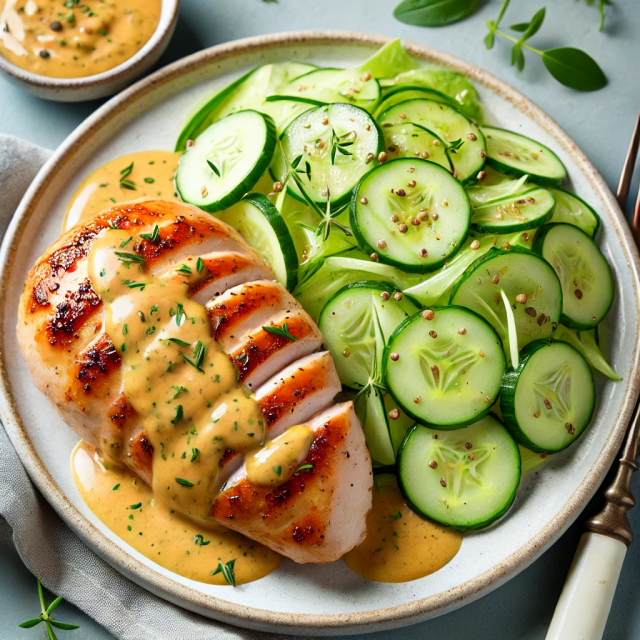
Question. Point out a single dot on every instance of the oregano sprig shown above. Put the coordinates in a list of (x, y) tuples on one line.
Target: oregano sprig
[(569, 66), (45, 617)]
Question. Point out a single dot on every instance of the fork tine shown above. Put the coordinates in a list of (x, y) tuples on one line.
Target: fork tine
[(627, 170)]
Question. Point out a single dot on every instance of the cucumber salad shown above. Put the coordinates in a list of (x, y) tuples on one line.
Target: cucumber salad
[(457, 284)]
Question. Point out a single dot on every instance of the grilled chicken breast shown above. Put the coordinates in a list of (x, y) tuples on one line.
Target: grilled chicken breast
[(315, 516)]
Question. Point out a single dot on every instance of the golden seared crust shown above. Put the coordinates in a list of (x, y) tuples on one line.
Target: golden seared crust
[(318, 514)]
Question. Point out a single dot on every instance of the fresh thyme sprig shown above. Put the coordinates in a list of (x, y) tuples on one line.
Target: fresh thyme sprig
[(339, 144), (569, 66), (328, 217), (45, 616)]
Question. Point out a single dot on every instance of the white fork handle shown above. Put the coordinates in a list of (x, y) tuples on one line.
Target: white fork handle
[(585, 601)]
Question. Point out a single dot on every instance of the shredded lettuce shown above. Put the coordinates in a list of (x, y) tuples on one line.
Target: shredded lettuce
[(389, 61), (451, 83), (586, 343)]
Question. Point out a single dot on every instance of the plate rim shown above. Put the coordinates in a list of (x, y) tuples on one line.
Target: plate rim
[(254, 617)]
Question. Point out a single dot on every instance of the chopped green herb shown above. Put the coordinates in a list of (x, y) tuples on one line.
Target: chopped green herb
[(183, 268), (183, 482), (153, 236), (195, 452), (149, 180), (396, 516), (200, 541), (125, 329), (179, 415), (182, 343), (116, 487), (128, 258), (200, 264), (284, 331), (278, 470), (304, 466), (136, 506), (227, 572), (135, 285)]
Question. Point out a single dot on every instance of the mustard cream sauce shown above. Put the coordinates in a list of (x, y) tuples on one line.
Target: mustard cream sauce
[(400, 546), (194, 550), (145, 174), (75, 38)]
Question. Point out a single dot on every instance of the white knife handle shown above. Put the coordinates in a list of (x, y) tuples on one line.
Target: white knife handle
[(585, 601)]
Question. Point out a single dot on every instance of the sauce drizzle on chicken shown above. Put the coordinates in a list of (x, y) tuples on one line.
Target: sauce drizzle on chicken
[(183, 387)]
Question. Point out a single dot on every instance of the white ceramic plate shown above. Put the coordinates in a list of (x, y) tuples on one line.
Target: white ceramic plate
[(310, 599)]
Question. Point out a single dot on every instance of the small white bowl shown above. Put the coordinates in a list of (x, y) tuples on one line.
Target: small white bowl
[(102, 84)]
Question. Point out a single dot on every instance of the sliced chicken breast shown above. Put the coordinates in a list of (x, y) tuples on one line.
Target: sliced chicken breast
[(75, 363), (317, 513)]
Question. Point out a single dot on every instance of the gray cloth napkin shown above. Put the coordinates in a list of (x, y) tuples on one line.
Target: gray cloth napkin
[(46, 545)]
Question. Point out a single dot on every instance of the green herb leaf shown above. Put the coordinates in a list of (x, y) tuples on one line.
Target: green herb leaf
[(149, 180), (534, 26), (200, 541), (128, 258), (277, 470), (283, 332), (124, 243), (183, 268), (574, 68), (116, 487), (517, 57), (126, 171), (200, 264), (183, 482), (153, 236), (135, 506), (195, 452), (303, 467), (135, 285), (178, 390), (396, 516), (180, 314), (227, 572), (455, 145), (433, 13), (182, 343), (128, 184), (64, 625), (213, 168), (179, 415), (30, 623), (520, 27)]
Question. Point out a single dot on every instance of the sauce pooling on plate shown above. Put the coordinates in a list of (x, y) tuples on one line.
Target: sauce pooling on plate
[(400, 546), (75, 38), (127, 506), (145, 174)]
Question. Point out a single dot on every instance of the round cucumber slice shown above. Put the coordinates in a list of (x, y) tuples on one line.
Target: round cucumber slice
[(574, 210), (465, 142), (517, 155), (395, 95), (444, 366), (515, 213), (466, 478), (548, 401), (226, 160), (413, 141), (356, 323), (264, 229), (519, 273), (585, 275), (411, 213), (332, 147)]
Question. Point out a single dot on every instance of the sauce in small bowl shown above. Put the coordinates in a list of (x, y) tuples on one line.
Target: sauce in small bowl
[(75, 50)]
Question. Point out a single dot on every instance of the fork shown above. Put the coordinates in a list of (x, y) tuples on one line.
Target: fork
[(587, 595)]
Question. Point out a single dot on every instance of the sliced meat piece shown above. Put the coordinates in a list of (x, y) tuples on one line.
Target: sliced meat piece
[(298, 392), (292, 397), (245, 308), (262, 353), (318, 514), (226, 270)]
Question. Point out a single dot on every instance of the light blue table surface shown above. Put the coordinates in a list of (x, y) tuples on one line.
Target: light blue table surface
[(600, 122)]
